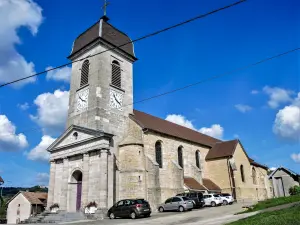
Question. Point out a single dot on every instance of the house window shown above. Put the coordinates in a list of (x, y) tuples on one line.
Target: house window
[(254, 176), (85, 73), (180, 159), (158, 154), (197, 157), (116, 74), (242, 173)]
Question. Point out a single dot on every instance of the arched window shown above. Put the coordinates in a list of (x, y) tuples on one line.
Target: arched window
[(180, 159), (254, 176), (116, 74), (85, 73), (197, 157), (158, 154), (242, 173)]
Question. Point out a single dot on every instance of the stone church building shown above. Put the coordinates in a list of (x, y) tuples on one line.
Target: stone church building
[(110, 151)]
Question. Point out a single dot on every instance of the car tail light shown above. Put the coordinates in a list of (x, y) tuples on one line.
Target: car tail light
[(138, 205)]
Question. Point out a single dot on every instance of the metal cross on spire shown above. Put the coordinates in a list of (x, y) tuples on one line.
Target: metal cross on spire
[(105, 6)]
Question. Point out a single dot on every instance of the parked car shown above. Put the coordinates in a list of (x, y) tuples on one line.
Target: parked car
[(196, 197), (179, 203), (212, 200), (226, 198), (132, 208)]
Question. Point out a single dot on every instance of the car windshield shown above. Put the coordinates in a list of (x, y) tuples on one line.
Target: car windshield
[(185, 198), (216, 195), (140, 201)]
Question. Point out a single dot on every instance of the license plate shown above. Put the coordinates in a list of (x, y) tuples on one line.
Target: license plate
[(146, 210)]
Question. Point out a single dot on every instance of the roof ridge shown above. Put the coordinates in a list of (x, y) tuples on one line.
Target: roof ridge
[(220, 141)]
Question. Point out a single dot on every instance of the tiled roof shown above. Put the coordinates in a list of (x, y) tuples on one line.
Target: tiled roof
[(105, 31), (153, 123), (222, 150), (252, 162), (35, 198), (210, 185), (191, 183)]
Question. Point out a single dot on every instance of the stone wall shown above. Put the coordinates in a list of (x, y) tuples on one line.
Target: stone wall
[(153, 187)]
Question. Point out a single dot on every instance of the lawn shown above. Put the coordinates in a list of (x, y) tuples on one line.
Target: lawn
[(289, 216), (273, 202)]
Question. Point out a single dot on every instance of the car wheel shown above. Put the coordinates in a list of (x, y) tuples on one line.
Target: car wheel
[(225, 202), (181, 209), (161, 209), (213, 204), (132, 215), (112, 216)]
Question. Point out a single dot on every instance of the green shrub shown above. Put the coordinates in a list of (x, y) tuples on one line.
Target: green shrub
[(294, 190)]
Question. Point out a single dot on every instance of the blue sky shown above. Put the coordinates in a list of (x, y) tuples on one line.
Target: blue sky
[(258, 105)]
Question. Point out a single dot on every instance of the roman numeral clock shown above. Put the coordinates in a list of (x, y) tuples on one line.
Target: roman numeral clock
[(116, 100), (82, 100)]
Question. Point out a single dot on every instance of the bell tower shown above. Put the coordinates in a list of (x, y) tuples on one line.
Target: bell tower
[(101, 88)]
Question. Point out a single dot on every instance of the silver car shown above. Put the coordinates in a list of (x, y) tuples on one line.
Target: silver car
[(179, 203)]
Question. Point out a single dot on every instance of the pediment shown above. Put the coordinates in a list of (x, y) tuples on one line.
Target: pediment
[(75, 135)]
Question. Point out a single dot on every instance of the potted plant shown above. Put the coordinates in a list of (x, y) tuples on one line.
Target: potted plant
[(53, 208), (91, 207)]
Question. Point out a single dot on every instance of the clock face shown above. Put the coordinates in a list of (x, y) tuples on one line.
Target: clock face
[(82, 100), (116, 100)]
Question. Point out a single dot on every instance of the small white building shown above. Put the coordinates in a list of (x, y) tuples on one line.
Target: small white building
[(25, 204)]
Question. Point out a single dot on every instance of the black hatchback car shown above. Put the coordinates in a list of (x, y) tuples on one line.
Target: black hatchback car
[(132, 208), (196, 197)]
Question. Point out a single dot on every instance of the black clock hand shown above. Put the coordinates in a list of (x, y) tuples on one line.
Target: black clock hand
[(117, 100), (81, 99)]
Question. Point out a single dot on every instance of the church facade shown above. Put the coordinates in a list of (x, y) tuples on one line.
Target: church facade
[(110, 151)]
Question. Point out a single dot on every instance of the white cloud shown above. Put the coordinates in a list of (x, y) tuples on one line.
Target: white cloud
[(62, 74), (254, 92), (272, 168), (42, 178), (39, 153), (9, 140), (214, 131), (278, 96), (13, 15), (23, 106), (243, 108), (296, 157), (287, 121), (180, 120), (236, 136), (52, 110)]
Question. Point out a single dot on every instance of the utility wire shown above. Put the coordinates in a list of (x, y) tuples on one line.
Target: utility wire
[(136, 40), (202, 81), (216, 76)]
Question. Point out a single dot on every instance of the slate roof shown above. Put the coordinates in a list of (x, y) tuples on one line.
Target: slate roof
[(35, 198), (210, 185), (222, 150), (252, 162), (104, 31), (153, 123), (191, 183)]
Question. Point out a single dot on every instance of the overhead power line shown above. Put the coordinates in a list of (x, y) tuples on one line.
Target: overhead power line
[(136, 40), (201, 81)]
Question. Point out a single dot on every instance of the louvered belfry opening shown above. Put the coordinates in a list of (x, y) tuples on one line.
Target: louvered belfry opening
[(116, 74), (85, 73)]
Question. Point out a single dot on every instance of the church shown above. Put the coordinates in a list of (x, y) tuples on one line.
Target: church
[(109, 151)]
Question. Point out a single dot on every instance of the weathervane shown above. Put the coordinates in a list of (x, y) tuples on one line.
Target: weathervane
[(105, 6)]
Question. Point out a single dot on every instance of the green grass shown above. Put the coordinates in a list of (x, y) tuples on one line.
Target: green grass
[(273, 202), (288, 216)]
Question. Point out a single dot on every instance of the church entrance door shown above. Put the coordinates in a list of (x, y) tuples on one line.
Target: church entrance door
[(77, 179)]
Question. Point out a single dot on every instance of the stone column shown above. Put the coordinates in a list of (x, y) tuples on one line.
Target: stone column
[(85, 179), (103, 178), (51, 184), (64, 186)]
